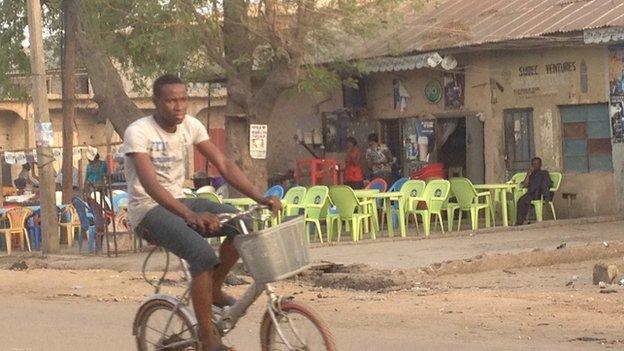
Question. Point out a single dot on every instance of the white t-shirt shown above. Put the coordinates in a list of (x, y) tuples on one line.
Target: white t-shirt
[(168, 151)]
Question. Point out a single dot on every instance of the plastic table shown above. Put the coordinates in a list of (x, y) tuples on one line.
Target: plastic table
[(370, 194), (388, 198), (501, 190), (239, 202)]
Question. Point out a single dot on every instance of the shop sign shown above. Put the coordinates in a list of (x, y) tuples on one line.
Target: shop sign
[(540, 80)]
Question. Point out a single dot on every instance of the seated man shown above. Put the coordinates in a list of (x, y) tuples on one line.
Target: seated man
[(538, 184), (156, 148)]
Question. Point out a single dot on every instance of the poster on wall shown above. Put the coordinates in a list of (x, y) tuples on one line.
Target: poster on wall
[(401, 96), (426, 139), (454, 83), (44, 134), (616, 89), (258, 141), (418, 140)]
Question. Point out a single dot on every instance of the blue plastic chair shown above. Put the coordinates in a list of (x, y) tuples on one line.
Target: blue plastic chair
[(396, 186), (275, 190), (34, 230), (87, 222)]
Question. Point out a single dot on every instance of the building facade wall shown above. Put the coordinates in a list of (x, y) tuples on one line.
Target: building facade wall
[(545, 92), (495, 82)]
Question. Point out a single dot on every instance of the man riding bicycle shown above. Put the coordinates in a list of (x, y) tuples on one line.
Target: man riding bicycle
[(156, 148)]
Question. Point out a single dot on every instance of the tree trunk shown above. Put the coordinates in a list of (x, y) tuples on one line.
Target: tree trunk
[(49, 222), (69, 97), (108, 88)]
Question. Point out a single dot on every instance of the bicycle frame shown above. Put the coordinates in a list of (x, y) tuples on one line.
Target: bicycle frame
[(224, 319)]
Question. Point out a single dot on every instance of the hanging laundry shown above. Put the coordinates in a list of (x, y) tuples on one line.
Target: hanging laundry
[(20, 158), (9, 157)]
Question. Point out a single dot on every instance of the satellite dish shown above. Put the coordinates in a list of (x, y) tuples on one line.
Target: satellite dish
[(434, 59), (448, 63)]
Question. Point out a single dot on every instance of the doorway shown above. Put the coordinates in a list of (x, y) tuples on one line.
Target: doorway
[(461, 147), (452, 147)]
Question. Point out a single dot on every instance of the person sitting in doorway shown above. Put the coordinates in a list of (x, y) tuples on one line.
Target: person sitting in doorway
[(379, 159), (353, 176), (538, 184)]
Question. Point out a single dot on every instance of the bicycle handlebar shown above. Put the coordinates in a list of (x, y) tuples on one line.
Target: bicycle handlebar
[(226, 217)]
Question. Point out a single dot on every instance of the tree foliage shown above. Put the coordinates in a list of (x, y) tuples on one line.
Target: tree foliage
[(14, 46), (252, 42), (260, 48)]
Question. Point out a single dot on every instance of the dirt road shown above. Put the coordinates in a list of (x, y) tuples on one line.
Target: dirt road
[(440, 247), (553, 307), (528, 309)]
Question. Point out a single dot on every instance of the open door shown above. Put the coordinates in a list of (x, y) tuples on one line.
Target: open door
[(475, 160)]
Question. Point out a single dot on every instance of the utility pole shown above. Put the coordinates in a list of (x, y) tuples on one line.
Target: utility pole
[(49, 224), (69, 96)]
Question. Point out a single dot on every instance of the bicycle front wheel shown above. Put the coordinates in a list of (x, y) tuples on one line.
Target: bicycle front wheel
[(300, 327), (160, 329)]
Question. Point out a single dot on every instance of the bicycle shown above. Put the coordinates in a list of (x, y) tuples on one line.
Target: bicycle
[(285, 323)]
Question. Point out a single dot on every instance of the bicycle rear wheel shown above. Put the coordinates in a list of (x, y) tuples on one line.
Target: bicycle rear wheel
[(154, 334), (301, 327)]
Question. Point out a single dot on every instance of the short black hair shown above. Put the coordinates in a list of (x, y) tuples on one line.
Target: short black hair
[(165, 79), (373, 137), (536, 159), (352, 141)]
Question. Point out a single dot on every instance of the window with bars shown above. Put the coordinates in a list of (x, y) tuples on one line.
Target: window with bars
[(519, 146), (586, 138)]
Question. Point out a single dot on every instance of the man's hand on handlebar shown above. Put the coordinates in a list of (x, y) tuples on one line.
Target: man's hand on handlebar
[(274, 204), (203, 222)]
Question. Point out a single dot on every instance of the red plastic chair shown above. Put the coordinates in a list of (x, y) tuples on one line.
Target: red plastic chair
[(433, 171)]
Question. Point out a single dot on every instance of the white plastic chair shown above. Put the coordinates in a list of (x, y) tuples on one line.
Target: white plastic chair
[(205, 189)]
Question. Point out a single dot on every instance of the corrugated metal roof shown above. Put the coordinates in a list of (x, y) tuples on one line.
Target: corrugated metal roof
[(459, 23)]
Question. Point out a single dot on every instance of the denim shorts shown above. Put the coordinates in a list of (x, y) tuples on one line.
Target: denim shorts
[(163, 228)]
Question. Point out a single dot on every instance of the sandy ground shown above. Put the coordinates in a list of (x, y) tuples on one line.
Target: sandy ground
[(547, 307)]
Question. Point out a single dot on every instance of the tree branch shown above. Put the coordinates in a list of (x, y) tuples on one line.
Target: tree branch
[(112, 100), (211, 44)]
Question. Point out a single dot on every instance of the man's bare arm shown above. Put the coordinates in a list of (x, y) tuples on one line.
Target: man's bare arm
[(147, 176)]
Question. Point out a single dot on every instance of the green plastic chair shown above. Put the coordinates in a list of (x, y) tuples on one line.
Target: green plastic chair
[(411, 189), (315, 205), (210, 196), (347, 205), (435, 194), (449, 213), (556, 178), (293, 198), (468, 201), (516, 193)]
